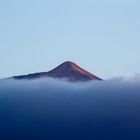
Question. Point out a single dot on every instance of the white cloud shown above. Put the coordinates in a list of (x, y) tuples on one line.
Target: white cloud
[(53, 109)]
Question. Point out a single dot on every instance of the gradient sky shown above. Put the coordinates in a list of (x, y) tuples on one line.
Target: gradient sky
[(101, 36)]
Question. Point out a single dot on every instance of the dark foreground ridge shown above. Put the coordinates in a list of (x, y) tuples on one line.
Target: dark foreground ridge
[(67, 70)]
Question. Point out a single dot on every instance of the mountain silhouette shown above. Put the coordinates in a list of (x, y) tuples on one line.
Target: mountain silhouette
[(67, 70)]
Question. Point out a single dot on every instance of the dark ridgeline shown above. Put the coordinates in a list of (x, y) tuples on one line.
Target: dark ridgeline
[(68, 70)]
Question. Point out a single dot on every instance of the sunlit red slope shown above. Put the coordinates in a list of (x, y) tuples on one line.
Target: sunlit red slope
[(67, 70)]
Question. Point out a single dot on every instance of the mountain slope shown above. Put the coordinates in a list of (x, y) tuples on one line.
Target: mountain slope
[(68, 70)]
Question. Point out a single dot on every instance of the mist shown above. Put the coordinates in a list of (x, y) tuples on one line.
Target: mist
[(59, 110)]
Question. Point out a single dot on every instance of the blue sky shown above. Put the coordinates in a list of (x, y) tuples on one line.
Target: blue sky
[(101, 36)]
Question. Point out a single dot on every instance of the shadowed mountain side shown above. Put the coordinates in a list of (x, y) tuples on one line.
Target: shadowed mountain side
[(68, 70)]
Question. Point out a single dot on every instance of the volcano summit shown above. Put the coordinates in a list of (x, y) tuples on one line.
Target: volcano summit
[(67, 70)]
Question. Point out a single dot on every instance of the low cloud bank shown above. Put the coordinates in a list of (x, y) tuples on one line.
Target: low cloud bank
[(59, 110)]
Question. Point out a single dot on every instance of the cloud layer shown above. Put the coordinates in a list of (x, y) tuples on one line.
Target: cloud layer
[(59, 110)]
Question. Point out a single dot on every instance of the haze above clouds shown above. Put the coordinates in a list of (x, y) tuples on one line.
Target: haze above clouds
[(101, 36)]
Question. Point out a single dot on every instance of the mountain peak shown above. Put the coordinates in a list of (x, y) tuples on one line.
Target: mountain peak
[(68, 70), (72, 71), (70, 63)]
